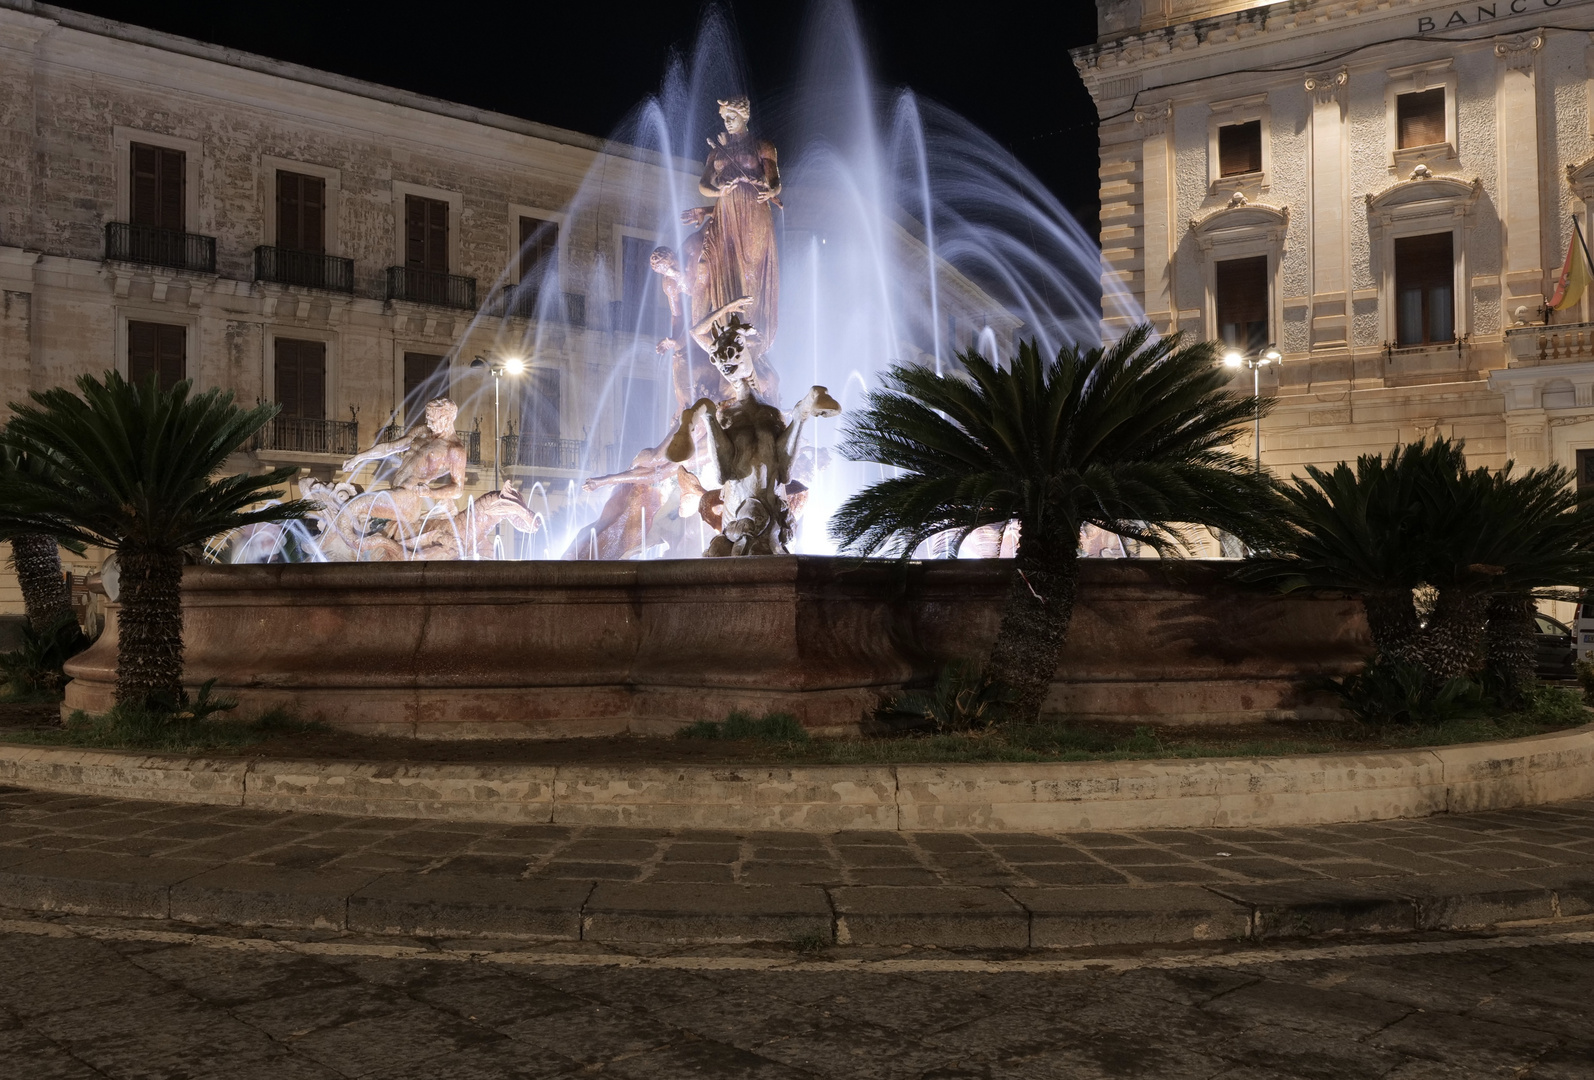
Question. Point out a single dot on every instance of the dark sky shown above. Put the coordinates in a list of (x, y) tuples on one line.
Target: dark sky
[(583, 64)]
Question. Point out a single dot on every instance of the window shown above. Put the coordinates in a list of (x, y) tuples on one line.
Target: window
[(301, 212), (542, 410), (1420, 118), (1585, 480), (539, 249), (302, 378), (640, 289), (425, 234), (1425, 289), (425, 378), (642, 417), (1241, 290), (1240, 148), (157, 350), (157, 190)]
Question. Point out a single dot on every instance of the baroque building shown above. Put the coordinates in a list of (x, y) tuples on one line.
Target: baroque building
[(1383, 190)]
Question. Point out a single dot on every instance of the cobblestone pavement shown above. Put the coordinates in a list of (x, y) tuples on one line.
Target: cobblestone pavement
[(34, 823), (96, 999)]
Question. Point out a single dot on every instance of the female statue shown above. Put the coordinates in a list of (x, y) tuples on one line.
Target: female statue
[(738, 252)]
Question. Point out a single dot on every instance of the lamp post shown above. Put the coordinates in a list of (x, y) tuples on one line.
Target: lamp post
[(1235, 358), (510, 365)]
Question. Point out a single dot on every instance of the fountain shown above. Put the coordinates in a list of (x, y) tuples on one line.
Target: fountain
[(892, 231)]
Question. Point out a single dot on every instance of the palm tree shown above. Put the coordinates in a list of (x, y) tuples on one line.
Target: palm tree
[(36, 558), (1133, 438), (1370, 531), (130, 467), (1481, 540)]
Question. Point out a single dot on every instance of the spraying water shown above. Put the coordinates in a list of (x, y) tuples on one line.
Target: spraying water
[(905, 235)]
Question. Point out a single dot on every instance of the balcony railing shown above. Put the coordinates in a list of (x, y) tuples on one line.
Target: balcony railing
[(313, 270), (304, 435), (540, 453), (160, 247), (431, 287), (472, 440)]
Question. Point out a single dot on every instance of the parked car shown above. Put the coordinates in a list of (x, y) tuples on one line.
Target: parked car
[(1557, 652)]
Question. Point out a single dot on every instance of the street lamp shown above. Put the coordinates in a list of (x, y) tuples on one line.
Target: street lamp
[(1235, 358), (509, 365)]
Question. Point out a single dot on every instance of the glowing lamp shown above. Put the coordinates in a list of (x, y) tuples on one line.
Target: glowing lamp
[(1232, 359)]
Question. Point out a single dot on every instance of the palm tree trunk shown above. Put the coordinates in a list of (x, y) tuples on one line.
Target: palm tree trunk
[(45, 595), (1511, 649), (149, 647), (1035, 618), (1451, 645), (1392, 621)]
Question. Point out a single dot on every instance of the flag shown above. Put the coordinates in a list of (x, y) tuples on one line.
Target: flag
[(1575, 274)]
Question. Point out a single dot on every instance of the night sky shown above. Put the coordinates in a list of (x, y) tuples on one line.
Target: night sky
[(583, 64)]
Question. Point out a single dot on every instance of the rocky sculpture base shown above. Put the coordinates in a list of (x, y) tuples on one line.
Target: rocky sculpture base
[(547, 649)]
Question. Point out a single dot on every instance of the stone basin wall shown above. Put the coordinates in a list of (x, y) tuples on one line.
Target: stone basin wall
[(515, 649)]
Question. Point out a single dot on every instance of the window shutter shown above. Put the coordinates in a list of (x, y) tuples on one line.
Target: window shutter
[(302, 378), (289, 223), (1420, 118), (157, 349), (539, 247), (171, 190), (545, 403), (141, 357), (144, 206), (1242, 290), (414, 232), (313, 208), (1240, 148), (437, 237), (425, 378)]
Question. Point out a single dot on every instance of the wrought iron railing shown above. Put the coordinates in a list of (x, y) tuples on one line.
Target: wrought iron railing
[(160, 247), (431, 287), (472, 440), (305, 435), (540, 453), (313, 270)]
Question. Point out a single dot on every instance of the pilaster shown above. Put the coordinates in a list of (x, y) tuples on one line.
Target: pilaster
[(1519, 198), (1330, 323), (1157, 212)]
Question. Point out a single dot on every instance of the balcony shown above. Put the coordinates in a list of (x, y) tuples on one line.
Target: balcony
[(303, 435), (431, 287), (160, 247), (540, 453), (1558, 343), (284, 266), (471, 439)]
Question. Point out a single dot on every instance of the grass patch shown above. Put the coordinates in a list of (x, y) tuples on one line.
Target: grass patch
[(128, 728), (773, 727)]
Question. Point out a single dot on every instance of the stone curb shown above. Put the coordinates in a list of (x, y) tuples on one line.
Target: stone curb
[(1041, 797), (472, 906)]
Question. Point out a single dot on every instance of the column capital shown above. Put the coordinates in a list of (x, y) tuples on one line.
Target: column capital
[(1153, 119), (1326, 87), (1517, 51)]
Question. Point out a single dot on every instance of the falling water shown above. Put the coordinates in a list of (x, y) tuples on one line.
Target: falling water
[(907, 236)]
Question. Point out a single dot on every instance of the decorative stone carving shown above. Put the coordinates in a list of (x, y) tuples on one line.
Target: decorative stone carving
[(1424, 195), (1153, 119), (1326, 87), (1517, 52), (1241, 221)]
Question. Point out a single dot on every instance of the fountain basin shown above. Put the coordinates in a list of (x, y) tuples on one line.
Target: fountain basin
[(544, 649)]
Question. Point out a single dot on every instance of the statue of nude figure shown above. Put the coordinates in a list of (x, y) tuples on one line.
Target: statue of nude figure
[(427, 455), (753, 444)]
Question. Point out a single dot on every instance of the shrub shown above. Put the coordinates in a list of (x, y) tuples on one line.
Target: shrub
[(1389, 691), (38, 667), (771, 727), (963, 698)]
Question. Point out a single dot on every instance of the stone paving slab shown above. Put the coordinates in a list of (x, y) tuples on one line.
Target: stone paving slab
[(230, 865)]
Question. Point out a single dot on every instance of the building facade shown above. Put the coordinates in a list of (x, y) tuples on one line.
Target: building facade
[(343, 249), (1382, 189)]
